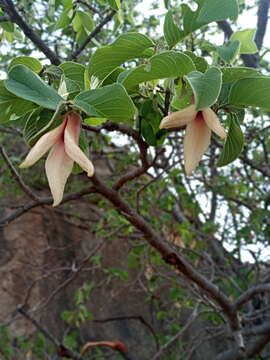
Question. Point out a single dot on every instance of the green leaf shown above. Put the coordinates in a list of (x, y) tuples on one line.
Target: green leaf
[(41, 121), (74, 71), (86, 19), (126, 47), (199, 62), (236, 73), (216, 10), (246, 38), (190, 21), (150, 120), (229, 51), (165, 65), (166, 4), (171, 31), (65, 18), (7, 26), (27, 85), (251, 92), (115, 4), (12, 107), (206, 87), (111, 101), (30, 62), (234, 143)]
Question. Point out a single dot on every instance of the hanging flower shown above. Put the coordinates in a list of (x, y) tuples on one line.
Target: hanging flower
[(63, 142), (199, 125)]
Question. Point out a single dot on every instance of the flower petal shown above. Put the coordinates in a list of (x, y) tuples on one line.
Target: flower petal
[(43, 145), (179, 118), (58, 168), (213, 122), (71, 138), (196, 142)]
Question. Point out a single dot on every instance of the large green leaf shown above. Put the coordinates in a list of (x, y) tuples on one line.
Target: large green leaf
[(12, 107), (165, 65), (111, 102), (215, 10), (251, 92), (74, 72), (126, 47), (30, 62), (236, 73), (234, 143), (190, 20), (27, 85), (246, 39), (171, 31), (206, 87)]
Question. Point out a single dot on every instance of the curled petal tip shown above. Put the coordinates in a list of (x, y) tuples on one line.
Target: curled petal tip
[(213, 122), (91, 169)]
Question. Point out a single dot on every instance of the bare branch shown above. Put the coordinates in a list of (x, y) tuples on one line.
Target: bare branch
[(246, 296), (15, 17), (92, 35), (16, 176), (62, 350), (44, 201)]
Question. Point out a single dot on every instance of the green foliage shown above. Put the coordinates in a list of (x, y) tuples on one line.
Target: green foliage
[(111, 102), (171, 31), (251, 92), (206, 87), (234, 142), (165, 65), (126, 47), (246, 39), (27, 85)]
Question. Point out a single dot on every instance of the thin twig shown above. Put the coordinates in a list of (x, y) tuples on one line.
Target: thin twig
[(15, 17), (92, 35), (16, 176)]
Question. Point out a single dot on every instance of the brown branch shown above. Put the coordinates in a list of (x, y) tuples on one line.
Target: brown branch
[(138, 318), (92, 35), (16, 175), (62, 350), (4, 19), (88, 6), (192, 318), (9, 8), (143, 147), (168, 253), (246, 296), (44, 201)]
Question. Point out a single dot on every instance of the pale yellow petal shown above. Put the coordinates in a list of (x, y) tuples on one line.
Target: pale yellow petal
[(58, 168), (196, 142), (179, 118), (71, 138), (213, 122), (43, 145)]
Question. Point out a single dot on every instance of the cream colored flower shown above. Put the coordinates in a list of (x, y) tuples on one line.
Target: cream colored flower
[(199, 125), (63, 142)]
